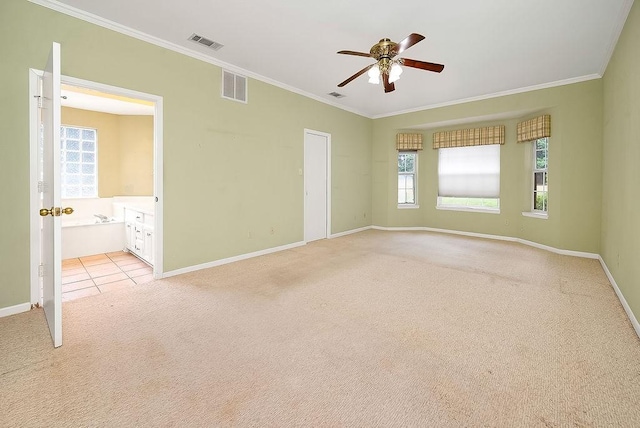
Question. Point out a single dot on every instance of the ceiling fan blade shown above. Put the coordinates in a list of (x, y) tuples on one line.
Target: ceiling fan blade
[(409, 41), (388, 86), (355, 53), (429, 66), (358, 74)]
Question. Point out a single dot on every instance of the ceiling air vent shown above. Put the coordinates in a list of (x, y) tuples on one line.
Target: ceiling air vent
[(206, 42), (336, 95)]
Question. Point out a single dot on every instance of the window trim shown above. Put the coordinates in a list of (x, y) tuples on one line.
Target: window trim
[(63, 151), (534, 148), (415, 203)]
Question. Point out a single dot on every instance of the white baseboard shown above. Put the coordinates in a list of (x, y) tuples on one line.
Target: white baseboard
[(496, 237), (614, 285), (634, 321), (349, 232), (559, 250), (232, 259), (12, 310), (625, 305)]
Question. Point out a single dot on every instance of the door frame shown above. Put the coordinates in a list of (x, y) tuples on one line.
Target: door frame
[(328, 181), (34, 195)]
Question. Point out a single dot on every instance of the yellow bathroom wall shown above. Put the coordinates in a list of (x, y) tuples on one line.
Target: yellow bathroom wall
[(125, 150)]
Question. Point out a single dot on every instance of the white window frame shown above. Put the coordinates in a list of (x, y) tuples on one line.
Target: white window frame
[(470, 204), (409, 205), (545, 172), (80, 151)]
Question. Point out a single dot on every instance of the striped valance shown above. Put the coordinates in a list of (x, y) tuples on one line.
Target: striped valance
[(409, 142), (469, 137), (532, 129)]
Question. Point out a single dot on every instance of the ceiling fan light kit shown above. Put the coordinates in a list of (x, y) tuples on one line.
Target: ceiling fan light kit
[(386, 65), (374, 75)]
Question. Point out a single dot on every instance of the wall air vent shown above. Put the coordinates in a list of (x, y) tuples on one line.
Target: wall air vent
[(336, 95), (206, 42), (234, 86)]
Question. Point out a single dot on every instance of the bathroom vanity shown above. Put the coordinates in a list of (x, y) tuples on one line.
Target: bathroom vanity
[(139, 232)]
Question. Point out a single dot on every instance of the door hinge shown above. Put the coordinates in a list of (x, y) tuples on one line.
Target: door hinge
[(40, 270), (39, 98)]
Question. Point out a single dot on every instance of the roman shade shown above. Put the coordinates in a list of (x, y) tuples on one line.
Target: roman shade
[(469, 137), (532, 129), (409, 142), (469, 172)]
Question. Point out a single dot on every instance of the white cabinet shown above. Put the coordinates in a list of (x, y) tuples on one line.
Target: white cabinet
[(148, 244), (129, 237), (139, 233)]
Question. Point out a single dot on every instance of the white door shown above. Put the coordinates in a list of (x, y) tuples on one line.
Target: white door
[(51, 229), (315, 186)]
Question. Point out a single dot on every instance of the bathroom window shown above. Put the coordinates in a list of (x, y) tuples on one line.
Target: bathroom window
[(79, 162)]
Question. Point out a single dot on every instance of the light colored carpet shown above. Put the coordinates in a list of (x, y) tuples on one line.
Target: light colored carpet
[(372, 329)]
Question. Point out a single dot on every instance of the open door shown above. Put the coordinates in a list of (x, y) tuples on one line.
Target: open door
[(51, 210)]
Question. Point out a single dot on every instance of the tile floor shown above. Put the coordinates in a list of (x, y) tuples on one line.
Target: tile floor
[(87, 276)]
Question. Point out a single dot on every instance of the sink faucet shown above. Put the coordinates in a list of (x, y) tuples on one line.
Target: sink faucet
[(102, 218)]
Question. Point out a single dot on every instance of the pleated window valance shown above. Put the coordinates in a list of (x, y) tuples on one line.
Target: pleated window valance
[(409, 142), (469, 137), (532, 129)]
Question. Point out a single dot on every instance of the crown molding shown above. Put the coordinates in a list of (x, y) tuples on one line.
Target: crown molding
[(122, 29), (114, 26), (617, 32), (495, 95)]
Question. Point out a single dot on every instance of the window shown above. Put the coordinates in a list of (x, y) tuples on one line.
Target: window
[(79, 163), (540, 184), (407, 168), (469, 178)]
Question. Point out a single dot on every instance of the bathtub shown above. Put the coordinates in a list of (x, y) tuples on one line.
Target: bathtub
[(85, 237)]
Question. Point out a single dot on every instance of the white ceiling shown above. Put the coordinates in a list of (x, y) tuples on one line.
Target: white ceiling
[(488, 47)]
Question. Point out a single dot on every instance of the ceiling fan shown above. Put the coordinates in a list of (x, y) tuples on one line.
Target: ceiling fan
[(387, 65)]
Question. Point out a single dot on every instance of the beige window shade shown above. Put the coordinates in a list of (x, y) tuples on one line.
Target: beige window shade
[(532, 129), (409, 142), (469, 137)]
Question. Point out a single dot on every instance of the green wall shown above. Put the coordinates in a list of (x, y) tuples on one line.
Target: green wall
[(621, 163), (229, 168), (575, 190), (232, 168)]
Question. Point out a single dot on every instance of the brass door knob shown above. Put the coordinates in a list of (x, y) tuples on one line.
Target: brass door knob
[(55, 211)]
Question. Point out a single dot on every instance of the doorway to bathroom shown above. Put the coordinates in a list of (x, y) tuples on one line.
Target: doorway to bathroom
[(110, 170)]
